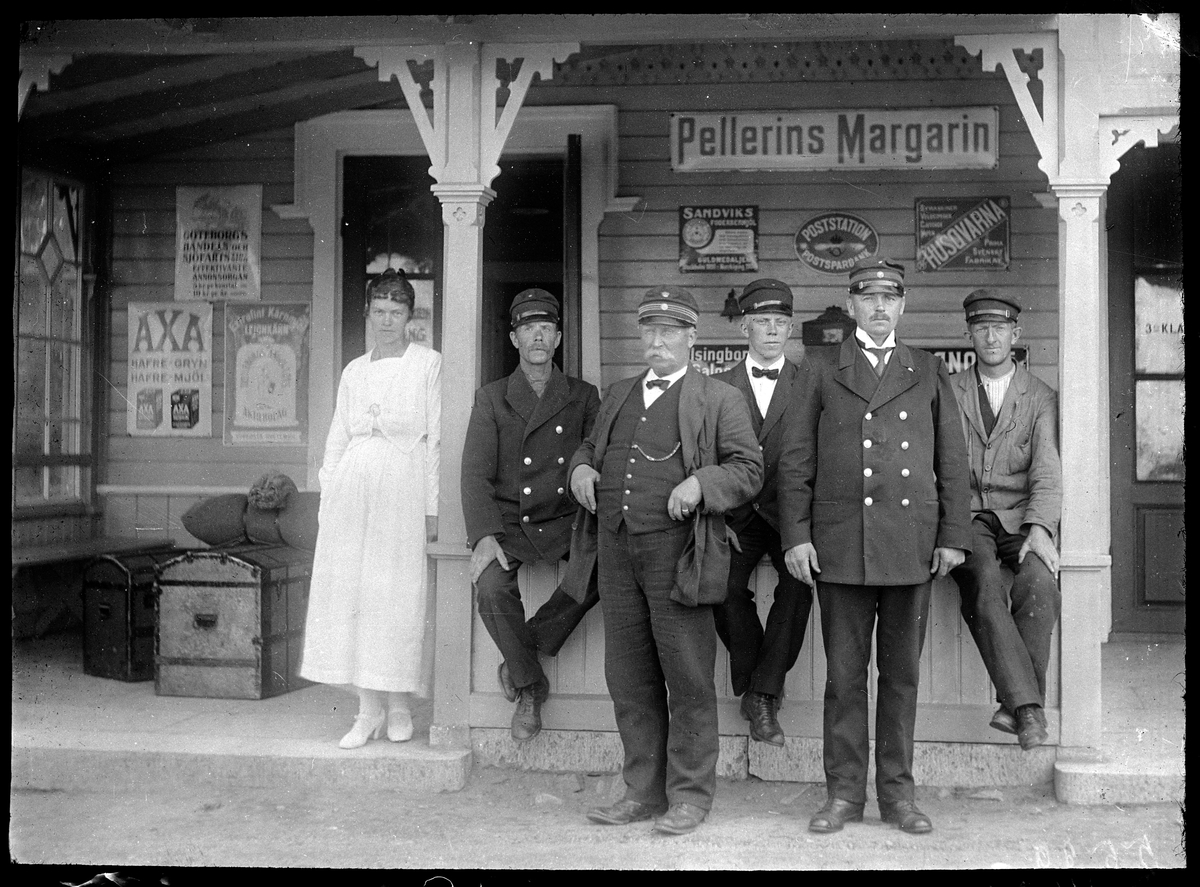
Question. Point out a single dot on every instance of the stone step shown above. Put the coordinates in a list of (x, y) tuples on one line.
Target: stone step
[(112, 759), (1081, 781)]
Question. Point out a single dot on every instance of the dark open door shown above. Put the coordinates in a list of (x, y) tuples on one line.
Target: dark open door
[(531, 237), (1146, 371), (389, 218), (572, 296)]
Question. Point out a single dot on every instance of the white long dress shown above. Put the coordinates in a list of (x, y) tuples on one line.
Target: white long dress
[(369, 610)]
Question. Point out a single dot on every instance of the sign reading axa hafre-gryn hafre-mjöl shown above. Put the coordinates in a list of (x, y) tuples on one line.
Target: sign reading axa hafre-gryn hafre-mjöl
[(804, 139), (170, 369)]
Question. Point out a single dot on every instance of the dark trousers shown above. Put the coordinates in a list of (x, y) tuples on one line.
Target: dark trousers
[(897, 616), (759, 659), (518, 640), (1011, 609), (659, 658)]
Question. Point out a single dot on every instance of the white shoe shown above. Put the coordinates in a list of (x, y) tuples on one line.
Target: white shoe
[(399, 726), (370, 726)]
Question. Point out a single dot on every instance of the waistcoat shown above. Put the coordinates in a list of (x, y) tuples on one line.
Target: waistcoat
[(642, 464)]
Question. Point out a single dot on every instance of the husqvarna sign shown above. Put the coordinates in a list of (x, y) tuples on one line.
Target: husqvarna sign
[(903, 138)]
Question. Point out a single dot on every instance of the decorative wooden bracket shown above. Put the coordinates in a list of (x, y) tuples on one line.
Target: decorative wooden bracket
[(1119, 134), (35, 71), (446, 163), (536, 58), (1000, 50)]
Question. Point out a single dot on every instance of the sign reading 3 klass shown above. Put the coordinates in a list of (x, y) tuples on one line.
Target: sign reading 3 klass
[(904, 138)]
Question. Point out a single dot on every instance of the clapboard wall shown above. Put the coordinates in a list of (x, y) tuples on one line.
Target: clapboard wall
[(640, 249), (143, 270)]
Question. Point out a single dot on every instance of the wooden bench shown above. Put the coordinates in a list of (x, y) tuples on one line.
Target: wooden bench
[(83, 549), (49, 570)]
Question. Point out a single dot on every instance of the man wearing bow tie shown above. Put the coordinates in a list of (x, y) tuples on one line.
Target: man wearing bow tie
[(874, 490), (759, 659), (672, 451)]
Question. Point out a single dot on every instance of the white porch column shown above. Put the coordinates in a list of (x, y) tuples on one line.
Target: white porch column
[(1065, 129), (1085, 574), (464, 138)]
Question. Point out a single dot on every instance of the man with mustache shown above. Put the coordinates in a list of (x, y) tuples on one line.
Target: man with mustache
[(522, 433), (874, 490), (671, 452)]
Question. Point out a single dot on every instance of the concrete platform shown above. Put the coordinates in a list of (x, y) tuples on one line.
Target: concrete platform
[(1141, 759), (72, 730)]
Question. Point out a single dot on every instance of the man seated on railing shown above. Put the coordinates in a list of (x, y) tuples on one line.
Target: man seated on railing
[(1010, 601), (522, 433)]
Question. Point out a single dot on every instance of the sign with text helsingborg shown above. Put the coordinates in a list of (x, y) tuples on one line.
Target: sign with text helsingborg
[(822, 139)]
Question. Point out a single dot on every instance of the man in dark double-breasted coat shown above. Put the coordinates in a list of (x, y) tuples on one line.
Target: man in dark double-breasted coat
[(874, 484), (520, 438), (761, 656)]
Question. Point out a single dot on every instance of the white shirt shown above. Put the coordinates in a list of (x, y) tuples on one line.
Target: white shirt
[(997, 388), (649, 394), (865, 342), (762, 387)]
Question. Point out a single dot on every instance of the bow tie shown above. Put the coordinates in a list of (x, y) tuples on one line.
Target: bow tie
[(759, 373), (664, 384)]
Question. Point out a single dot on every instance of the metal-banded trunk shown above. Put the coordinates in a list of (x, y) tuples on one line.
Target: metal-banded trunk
[(231, 622)]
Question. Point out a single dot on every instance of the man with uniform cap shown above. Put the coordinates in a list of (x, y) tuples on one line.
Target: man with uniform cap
[(873, 488), (672, 451), (760, 659), (522, 432), (1010, 601)]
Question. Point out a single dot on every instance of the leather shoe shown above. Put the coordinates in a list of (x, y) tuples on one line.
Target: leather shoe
[(624, 812), (680, 819), (906, 815), (527, 717), (507, 687), (834, 815), (759, 709), (1003, 721), (1031, 726)]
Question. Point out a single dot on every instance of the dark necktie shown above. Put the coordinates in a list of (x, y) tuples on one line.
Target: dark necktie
[(881, 362), (985, 405), (760, 373), (664, 384)]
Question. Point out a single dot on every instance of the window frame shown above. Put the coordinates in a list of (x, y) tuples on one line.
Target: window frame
[(80, 448)]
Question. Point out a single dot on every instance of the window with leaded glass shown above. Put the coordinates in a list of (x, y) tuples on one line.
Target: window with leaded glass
[(51, 446)]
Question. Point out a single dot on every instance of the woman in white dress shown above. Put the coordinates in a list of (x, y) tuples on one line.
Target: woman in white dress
[(369, 610)]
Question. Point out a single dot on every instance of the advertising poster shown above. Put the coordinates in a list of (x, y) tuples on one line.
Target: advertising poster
[(266, 374), (963, 232), (218, 243), (828, 138), (710, 359), (169, 372), (833, 243), (718, 238), (959, 358)]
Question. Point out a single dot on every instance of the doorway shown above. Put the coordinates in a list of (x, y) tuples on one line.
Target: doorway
[(1146, 387), (390, 218)]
